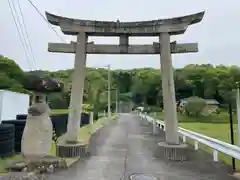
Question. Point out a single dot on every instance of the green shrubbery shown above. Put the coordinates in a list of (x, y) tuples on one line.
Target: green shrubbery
[(194, 106), (155, 108), (87, 108)]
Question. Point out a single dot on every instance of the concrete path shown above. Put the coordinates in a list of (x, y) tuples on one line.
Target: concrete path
[(127, 147)]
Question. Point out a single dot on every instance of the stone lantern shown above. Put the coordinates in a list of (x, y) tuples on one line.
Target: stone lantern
[(37, 135)]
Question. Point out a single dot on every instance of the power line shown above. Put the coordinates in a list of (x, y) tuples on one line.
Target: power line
[(19, 33), (27, 36), (22, 31), (49, 25)]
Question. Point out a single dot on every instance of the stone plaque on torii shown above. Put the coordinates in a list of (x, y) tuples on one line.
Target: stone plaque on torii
[(163, 28)]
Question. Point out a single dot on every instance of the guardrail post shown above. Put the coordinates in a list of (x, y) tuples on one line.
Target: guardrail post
[(215, 155), (141, 115), (145, 116), (184, 139), (104, 113), (195, 145), (162, 127), (154, 123)]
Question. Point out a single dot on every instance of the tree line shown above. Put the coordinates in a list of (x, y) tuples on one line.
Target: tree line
[(142, 86)]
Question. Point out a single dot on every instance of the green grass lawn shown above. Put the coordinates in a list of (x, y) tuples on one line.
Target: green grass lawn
[(59, 111), (84, 135), (212, 127), (217, 131)]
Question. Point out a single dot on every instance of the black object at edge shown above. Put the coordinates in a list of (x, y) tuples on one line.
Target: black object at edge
[(231, 133)]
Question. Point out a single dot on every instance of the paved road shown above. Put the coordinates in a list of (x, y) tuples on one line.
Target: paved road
[(127, 147)]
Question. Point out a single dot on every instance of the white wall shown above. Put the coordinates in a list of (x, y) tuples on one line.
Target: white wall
[(12, 103)]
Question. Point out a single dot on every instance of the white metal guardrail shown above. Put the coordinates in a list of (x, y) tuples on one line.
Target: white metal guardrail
[(216, 145)]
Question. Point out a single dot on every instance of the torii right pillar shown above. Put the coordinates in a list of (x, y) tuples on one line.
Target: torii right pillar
[(172, 149), (168, 89)]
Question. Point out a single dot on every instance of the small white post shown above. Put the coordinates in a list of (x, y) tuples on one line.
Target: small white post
[(91, 122), (195, 145), (104, 113), (184, 139), (215, 155), (154, 123), (145, 115)]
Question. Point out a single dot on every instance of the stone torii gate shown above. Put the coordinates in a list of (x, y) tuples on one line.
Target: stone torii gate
[(163, 28)]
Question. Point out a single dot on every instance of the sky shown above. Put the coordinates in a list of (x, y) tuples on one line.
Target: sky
[(217, 34)]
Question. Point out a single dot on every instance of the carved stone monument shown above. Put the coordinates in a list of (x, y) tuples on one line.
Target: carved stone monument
[(162, 28)]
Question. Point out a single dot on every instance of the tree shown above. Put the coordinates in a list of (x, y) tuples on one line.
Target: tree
[(142, 86), (11, 69), (96, 87), (11, 75), (145, 84)]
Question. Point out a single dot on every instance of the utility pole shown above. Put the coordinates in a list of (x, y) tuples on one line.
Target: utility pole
[(238, 111), (109, 93)]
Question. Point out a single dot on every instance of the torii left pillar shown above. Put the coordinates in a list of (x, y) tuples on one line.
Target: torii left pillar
[(76, 99)]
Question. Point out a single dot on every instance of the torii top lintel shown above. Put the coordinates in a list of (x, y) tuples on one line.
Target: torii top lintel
[(173, 26)]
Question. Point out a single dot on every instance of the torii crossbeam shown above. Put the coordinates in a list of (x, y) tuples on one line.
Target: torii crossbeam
[(121, 49)]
